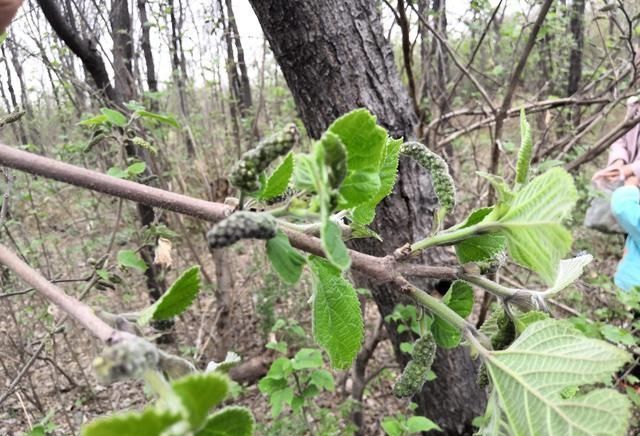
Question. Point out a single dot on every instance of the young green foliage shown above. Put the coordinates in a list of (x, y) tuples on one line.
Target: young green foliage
[(459, 298), (286, 260), (527, 391), (278, 182), (177, 298), (337, 320), (526, 150)]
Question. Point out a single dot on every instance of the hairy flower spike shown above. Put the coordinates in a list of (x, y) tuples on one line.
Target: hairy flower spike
[(506, 332), (241, 225), (417, 370), (245, 173), (129, 358), (438, 169)]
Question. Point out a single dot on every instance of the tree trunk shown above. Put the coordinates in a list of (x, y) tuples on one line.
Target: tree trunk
[(179, 74), (234, 82), (245, 101), (145, 43), (335, 58), (576, 27)]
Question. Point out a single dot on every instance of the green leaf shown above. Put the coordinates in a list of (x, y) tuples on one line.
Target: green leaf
[(278, 399), (136, 168), (177, 298), (281, 368), (114, 117), (505, 195), (323, 379), (388, 170), (307, 358), (337, 320), (535, 237), (199, 393), (362, 137), (286, 260), (526, 150), (166, 119), (618, 335), (334, 246), (417, 424), (530, 375), (94, 121), (391, 426), (118, 173), (524, 320), (3, 38), (480, 248), (569, 270), (230, 421), (277, 184), (303, 172), (335, 159), (131, 259), (459, 298), (359, 187), (149, 422)]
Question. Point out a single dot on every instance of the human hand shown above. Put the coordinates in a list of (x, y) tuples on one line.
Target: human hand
[(632, 181), (8, 9), (612, 172)]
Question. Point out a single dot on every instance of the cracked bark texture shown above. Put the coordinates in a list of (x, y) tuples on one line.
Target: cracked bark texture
[(335, 58)]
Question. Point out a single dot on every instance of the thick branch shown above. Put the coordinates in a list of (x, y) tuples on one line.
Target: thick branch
[(76, 309)]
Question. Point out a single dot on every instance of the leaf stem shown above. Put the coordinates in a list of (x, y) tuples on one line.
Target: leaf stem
[(447, 238), (489, 285)]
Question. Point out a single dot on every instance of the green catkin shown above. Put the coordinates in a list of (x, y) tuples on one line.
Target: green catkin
[(241, 225), (417, 370), (443, 184), (129, 358), (245, 173), (505, 335), (506, 332)]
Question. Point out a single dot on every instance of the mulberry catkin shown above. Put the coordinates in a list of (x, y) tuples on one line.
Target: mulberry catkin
[(244, 174), (417, 370), (241, 225), (129, 358), (442, 181)]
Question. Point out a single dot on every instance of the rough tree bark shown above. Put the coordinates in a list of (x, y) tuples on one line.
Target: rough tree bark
[(335, 58), (145, 43), (179, 71), (245, 100)]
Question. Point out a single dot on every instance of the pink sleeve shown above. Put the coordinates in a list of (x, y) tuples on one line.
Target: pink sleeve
[(635, 166), (619, 150)]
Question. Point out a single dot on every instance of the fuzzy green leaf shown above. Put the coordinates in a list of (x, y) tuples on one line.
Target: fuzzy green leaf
[(335, 159), (480, 248), (363, 138), (569, 270), (307, 358), (149, 422), (364, 213), (114, 117), (535, 236), (526, 150), (359, 187), (199, 393), (418, 424), (286, 260), (530, 375), (459, 297), (337, 320), (278, 181), (177, 298), (166, 119), (136, 168), (230, 421), (131, 259), (334, 246)]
